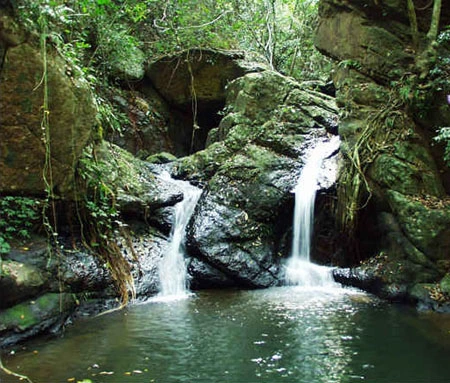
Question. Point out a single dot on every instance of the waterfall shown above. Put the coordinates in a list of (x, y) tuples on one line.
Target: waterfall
[(172, 268), (299, 269)]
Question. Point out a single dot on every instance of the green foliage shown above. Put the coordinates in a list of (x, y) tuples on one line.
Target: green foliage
[(120, 52), (99, 199), (4, 247), (18, 216), (443, 136), (419, 90), (108, 116), (100, 222), (408, 92), (350, 64), (280, 31), (439, 74), (99, 36)]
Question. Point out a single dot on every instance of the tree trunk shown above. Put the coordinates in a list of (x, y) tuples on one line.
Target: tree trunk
[(413, 24), (435, 18)]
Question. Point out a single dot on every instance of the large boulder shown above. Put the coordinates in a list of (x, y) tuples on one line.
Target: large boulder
[(29, 147), (45, 314), (205, 72), (238, 233), (19, 281)]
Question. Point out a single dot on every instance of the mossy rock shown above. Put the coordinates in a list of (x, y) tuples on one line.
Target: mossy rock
[(203, 164), (127, 65), (256, 95), (421, 292), (263, 109), (137, 187), (34, 316), (161, 158), (425, 222), (19, 281), (405, 177)]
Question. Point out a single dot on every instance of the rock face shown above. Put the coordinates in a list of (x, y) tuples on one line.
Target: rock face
[(177, 101), (403, 215), (250, 167), (145, 121), (23, 89)]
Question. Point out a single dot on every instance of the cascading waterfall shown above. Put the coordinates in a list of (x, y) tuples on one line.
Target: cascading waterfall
[(299, 268), (172, 268)]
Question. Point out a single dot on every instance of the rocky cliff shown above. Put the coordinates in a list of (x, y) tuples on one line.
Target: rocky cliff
[(393, 187)]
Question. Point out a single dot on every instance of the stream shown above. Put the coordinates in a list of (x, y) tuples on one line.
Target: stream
[(285, 334)]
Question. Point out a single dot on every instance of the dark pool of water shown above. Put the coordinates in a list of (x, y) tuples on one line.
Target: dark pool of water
[(284, 334)]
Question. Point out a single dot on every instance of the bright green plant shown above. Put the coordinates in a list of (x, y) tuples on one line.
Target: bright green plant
[(18, 217), (279, 31), (4, 247), (350, 64), (99, 198)]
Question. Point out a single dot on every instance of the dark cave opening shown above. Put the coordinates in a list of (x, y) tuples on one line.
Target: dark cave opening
[(190, 124)]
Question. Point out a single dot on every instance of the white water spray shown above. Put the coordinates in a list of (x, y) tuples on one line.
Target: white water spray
[(172, 269), (299, 269)]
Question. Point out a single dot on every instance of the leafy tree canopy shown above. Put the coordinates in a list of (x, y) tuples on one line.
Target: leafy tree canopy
[(96, 34)]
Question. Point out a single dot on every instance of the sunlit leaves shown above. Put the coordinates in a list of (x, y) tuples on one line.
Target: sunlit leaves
[(444, 137)]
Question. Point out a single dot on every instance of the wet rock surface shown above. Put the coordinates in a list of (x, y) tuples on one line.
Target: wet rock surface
[(248, 170)]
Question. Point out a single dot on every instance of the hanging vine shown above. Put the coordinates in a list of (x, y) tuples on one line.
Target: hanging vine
[(101, 222), (354, 189), (49, 206), (194, 103), (96, 210)]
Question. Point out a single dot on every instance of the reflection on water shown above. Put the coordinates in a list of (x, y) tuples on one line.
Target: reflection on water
[(287, 334)]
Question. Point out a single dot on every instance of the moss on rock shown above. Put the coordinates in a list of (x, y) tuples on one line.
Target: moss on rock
[(34, 316)]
